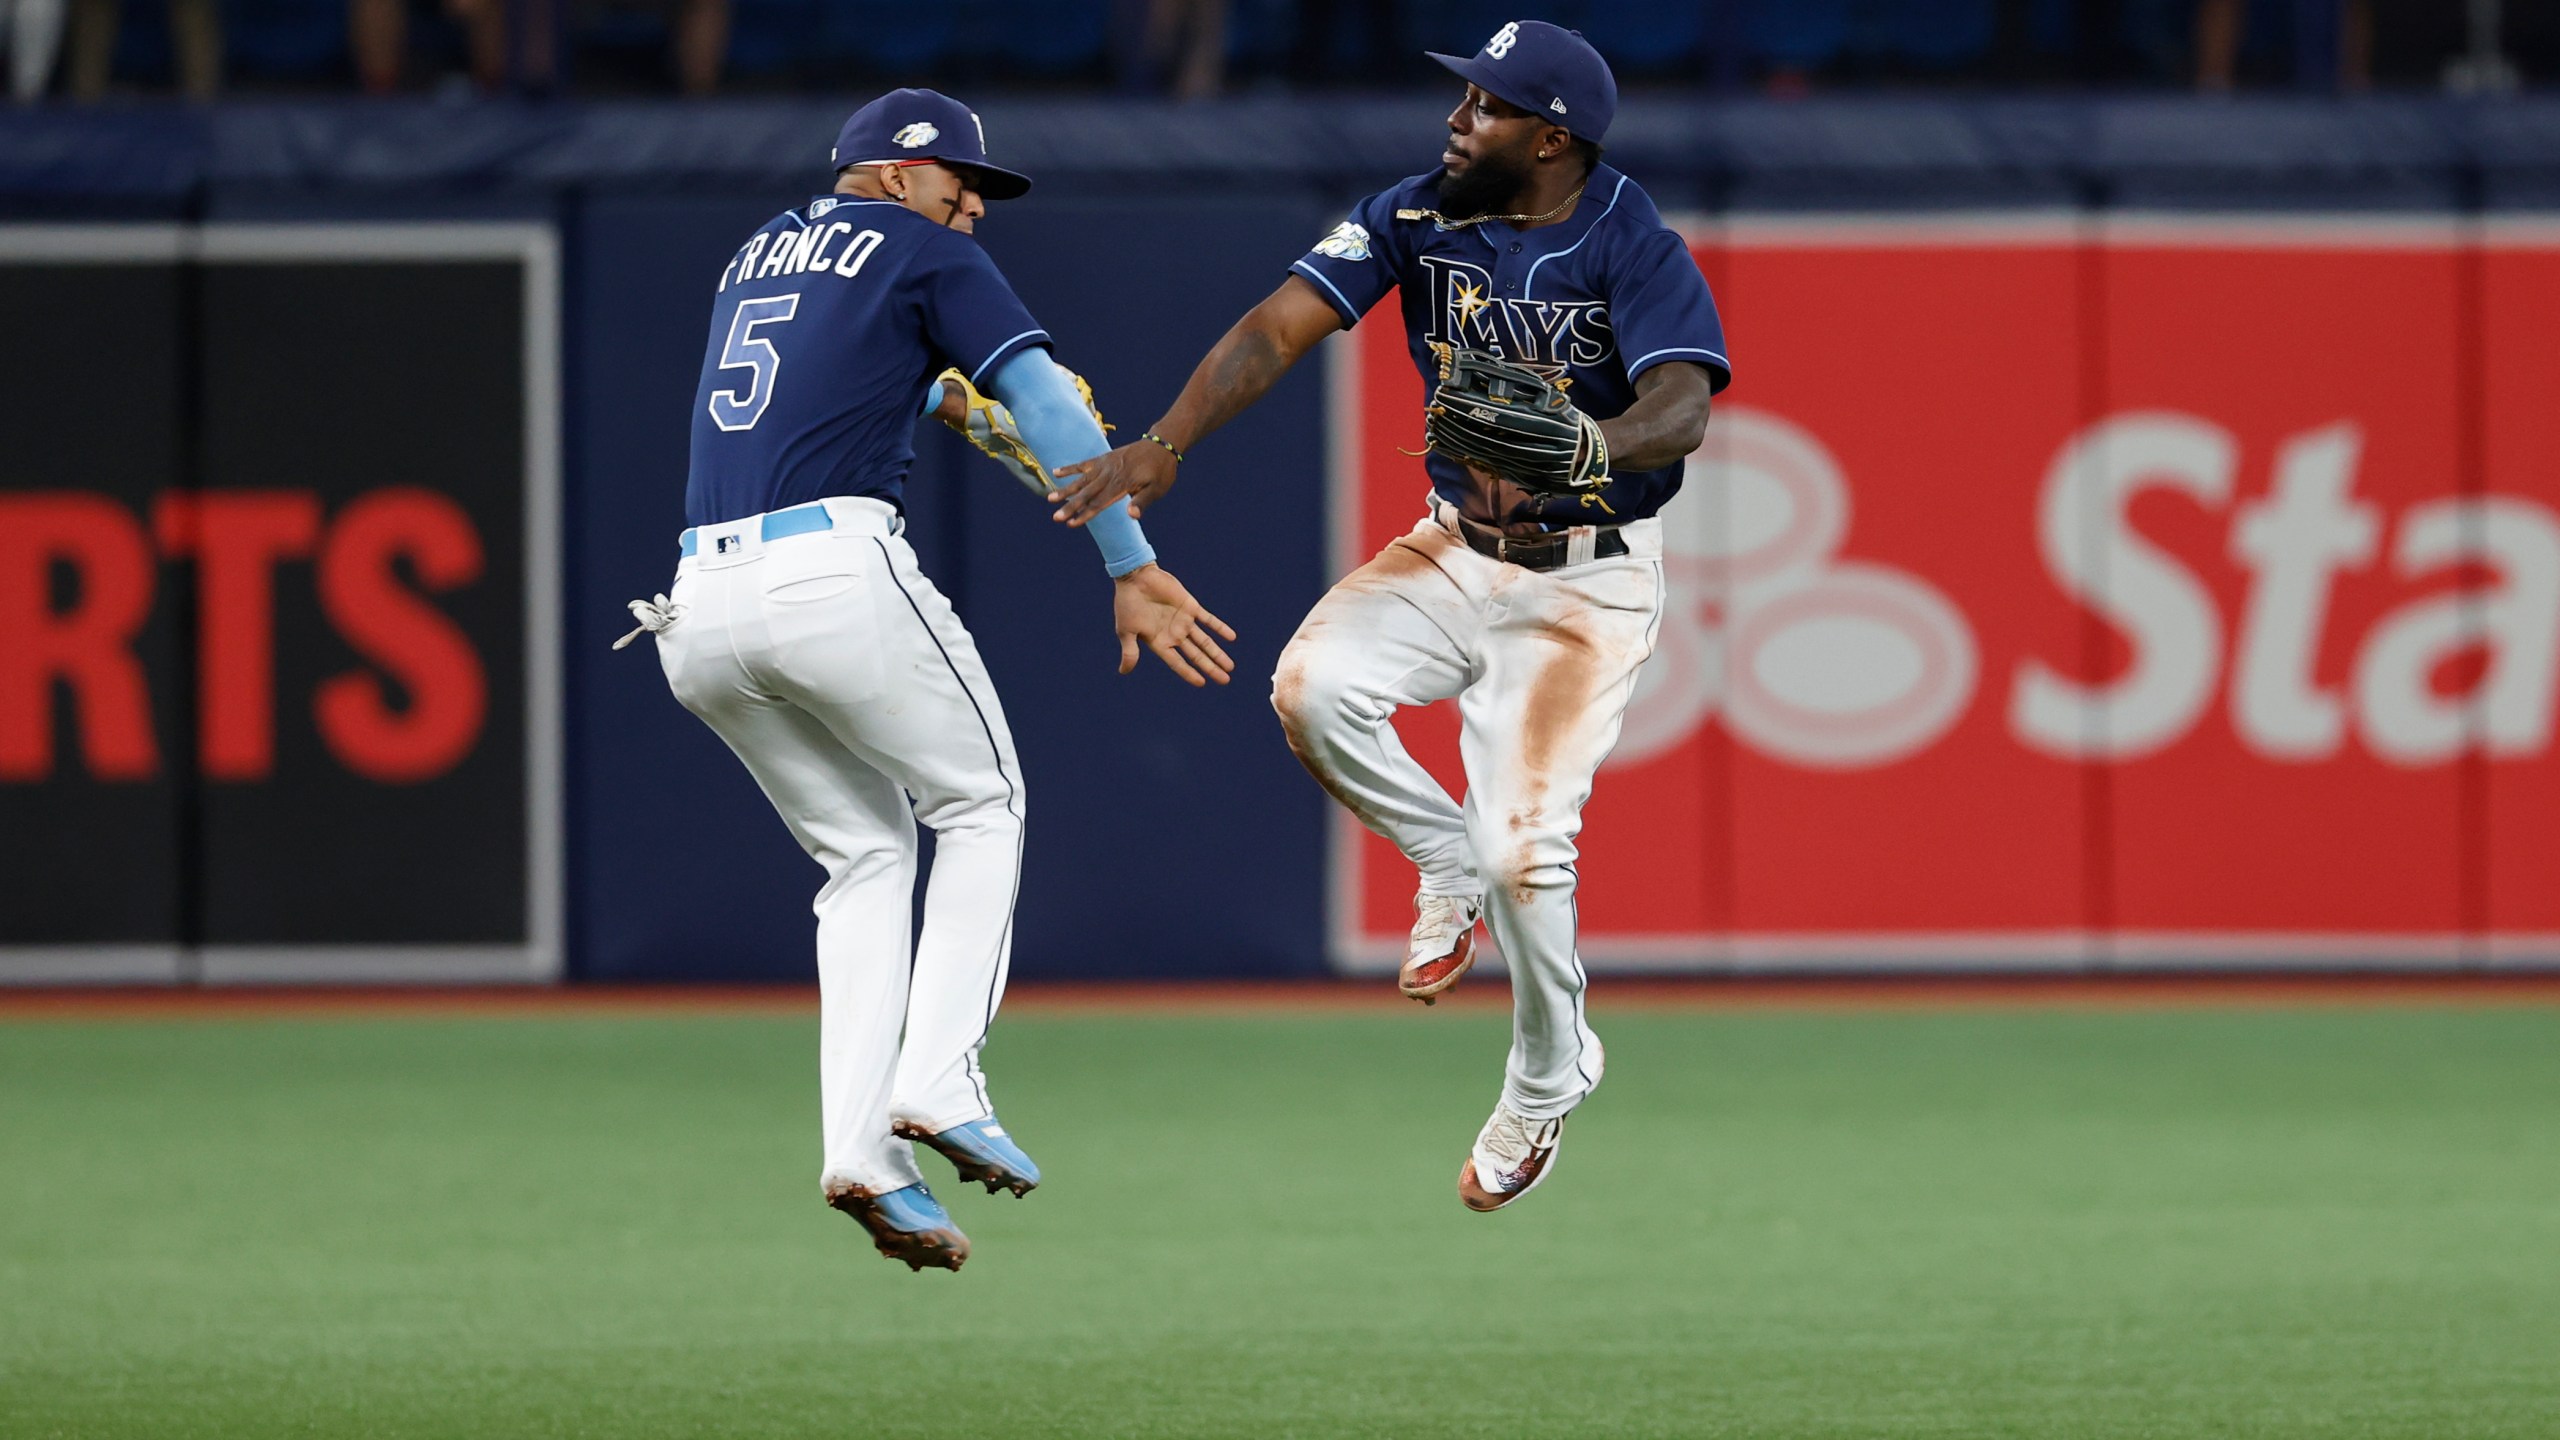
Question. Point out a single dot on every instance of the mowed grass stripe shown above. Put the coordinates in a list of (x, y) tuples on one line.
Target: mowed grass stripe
[(1995, 1223)]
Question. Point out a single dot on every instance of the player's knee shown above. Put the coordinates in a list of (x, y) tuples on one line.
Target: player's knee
[(996, 806), (1527, 856), (1310, 688)]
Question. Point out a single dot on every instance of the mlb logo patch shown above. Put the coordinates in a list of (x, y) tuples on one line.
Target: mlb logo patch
[(728, 544), (821, 207)]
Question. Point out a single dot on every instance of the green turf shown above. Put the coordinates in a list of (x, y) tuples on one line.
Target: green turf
[(2032, 1224)]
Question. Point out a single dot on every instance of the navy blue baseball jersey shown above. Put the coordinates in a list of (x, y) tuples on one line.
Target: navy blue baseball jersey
[(830, 323), (1604, 296)]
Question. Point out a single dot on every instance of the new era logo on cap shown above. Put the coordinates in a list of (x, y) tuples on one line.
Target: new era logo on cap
[(1557, 105)]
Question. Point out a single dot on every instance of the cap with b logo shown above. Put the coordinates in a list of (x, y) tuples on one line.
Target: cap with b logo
[(924, 125), (1547, 70)]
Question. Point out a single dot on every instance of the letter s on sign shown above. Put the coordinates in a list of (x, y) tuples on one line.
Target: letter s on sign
[(2099, 559), (416, 644)]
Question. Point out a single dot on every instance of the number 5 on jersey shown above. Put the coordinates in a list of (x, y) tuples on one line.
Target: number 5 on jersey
[(745, 350)]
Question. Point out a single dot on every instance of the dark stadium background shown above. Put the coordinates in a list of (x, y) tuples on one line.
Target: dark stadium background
[(1158, 218)]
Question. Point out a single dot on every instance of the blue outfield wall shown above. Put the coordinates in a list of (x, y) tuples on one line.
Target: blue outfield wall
[(1171, 834)]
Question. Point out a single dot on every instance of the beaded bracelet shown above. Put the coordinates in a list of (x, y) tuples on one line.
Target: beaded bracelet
[(1167, 444)]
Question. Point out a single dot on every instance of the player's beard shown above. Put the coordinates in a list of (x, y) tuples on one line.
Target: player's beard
[(1488, 186)]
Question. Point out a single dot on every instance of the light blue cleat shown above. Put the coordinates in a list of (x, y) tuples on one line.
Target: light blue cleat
[(908, 1224), (980, 1150)]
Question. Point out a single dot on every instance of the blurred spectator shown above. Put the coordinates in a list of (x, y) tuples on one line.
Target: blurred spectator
[(378, 34), (697, 36), (195, 36), (34, 37), (1187, 40), (2222, 31), (700, 41), (1323, 26)]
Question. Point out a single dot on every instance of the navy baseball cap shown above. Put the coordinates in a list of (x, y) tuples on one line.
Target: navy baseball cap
[(924, 125), (1548, 71)]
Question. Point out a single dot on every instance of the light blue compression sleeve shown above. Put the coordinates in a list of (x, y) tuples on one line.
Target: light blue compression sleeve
[(932, 398), (1057, 427)]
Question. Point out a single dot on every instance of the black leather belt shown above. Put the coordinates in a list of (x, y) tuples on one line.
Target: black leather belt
[(1537, 552)]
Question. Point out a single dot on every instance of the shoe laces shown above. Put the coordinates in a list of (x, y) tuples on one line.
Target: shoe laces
[(1512, 1138), (1440, 911), (655, 614)]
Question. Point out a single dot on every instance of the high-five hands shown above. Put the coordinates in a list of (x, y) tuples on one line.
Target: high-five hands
[(1142, 470), (1148, 605)]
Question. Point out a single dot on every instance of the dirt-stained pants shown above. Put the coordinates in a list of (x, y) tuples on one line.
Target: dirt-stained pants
[(1542, 665)]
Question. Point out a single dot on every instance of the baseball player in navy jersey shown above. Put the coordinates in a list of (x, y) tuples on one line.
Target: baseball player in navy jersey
[(1534, 609), (800, 629)]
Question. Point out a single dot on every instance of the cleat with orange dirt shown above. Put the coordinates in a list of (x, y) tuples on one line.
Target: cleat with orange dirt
[(1512, 1154), (1442, 946)]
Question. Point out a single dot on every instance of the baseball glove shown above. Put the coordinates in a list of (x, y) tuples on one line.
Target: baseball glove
[(989, 426), (1509, 420)]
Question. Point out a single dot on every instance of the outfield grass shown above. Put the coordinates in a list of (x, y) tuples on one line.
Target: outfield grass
[(2007, 1223)]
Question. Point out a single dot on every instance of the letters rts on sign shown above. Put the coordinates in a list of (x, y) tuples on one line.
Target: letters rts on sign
[(2185, 595), (277, 685)]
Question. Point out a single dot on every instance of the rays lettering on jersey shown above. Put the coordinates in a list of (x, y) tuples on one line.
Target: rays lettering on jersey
[(1465, 312)]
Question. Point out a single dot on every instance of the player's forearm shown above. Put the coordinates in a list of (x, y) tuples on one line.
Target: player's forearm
[(1055, 424), (1649, 442), (1668, 420), (1246, 362), (1239, 370)]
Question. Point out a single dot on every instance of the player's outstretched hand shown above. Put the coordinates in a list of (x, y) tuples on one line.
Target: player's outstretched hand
[(1141, 470), (1149, 605)]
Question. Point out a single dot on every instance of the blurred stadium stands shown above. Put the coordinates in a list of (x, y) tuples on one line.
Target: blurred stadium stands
[(621, 46)]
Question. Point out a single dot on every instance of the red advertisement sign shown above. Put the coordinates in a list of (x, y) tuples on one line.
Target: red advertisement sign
[(2178, 592), (278, 697)]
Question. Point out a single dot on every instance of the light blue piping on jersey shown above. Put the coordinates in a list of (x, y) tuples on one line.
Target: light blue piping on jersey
[(1529, 286), (999, 353), (1303, 268), (1638, 363)]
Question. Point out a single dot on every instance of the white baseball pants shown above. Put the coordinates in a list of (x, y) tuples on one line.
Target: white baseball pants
[(1542, 665), (843, 680)]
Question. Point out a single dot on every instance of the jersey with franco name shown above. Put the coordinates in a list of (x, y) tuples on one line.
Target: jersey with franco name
[(829, 324), (1602, 297)]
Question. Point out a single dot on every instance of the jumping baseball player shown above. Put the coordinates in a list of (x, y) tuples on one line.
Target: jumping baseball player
[(1571, 350), (800, 629)]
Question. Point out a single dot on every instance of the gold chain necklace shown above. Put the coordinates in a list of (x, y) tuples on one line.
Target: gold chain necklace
[(1445, 223)]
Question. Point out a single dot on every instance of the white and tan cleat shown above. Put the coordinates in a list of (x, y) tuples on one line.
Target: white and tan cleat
[(1442, 946), (1513, 1153)]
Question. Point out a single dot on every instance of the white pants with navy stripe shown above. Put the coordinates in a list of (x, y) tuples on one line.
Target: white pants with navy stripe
[(1542, 665), (842, 678)]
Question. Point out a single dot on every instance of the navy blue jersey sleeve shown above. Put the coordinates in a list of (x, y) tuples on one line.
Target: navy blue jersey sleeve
[(974, 318), (1354, 267), (1661, 310)]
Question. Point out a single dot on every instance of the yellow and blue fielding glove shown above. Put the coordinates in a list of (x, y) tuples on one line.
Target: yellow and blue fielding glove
[(989, 426)]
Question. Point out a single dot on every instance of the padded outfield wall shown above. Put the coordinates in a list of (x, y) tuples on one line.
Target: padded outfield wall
[(2133, 538)]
